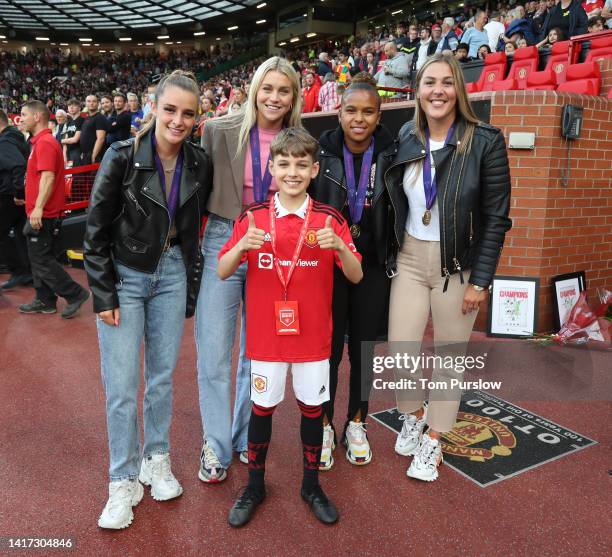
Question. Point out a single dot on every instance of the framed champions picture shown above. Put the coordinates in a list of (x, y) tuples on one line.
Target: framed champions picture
[(566, 290), (513, 307)]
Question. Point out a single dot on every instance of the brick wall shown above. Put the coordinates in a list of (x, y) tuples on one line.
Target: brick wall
[(557, 228)]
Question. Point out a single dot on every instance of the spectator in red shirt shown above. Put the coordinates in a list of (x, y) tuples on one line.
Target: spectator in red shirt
[(310, 94), (44, 197)]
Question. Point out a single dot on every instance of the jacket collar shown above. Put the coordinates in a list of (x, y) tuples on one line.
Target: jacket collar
[(143, 160), (412, 148)]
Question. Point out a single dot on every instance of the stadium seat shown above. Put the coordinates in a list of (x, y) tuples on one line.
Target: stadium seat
[(494, 70), (600, 49), (509, 84), (556, 66), (525, 61), (582, 78), (580, 86), (541, 81)]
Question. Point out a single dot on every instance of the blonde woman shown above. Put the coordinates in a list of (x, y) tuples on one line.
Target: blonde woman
[(144, 266), (450, 185), (239, 145)]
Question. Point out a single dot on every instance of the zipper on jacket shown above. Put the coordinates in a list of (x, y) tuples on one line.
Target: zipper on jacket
[(457, 190), (136, 203), (335, 181), (443, 222), (471, 227)]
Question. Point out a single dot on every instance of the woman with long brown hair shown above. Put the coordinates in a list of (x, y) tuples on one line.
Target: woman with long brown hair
[(143, 264), (450, 186)]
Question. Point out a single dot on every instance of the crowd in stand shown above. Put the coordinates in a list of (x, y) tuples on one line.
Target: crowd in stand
[(391, 54), (394, 53)]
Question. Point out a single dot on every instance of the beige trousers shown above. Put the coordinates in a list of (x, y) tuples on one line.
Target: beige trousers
[(414, 292)]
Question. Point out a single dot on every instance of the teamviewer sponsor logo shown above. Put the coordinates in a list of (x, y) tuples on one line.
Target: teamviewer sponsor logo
[(265, 260)]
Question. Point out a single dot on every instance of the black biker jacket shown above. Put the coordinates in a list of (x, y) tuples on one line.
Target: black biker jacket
[(128, 219), (473, 199), (330, 187)]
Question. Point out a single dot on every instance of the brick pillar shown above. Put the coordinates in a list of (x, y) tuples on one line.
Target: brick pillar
[(557, 228)]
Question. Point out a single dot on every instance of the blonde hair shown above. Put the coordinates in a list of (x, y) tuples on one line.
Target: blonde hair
[(178, 78), (292, 119), (463, 109)]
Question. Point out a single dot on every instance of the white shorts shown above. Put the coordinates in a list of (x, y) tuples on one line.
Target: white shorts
[(310, 382)]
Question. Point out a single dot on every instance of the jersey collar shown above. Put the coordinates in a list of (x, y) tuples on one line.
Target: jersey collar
[(282, 212)]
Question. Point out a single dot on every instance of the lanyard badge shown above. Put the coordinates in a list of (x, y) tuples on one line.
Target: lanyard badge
[(286, 311)]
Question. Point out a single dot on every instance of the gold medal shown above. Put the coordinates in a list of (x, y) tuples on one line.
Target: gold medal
[(355, 230), (426, 217)]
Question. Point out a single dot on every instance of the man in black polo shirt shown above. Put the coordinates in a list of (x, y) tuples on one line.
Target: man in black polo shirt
[(120, 122), (73, 132), (93, 133)]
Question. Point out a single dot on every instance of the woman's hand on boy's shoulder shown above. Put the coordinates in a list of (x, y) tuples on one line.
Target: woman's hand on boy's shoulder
[(254, 237)]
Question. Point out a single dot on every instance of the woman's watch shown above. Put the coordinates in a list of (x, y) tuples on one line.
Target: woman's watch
[(478, 288)]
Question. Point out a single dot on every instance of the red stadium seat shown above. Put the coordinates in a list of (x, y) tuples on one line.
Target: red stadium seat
[(580, 86), (541, 81), (505, 85), (600, 49), (557, 64), (525, 61), (587, 71), (494, 70)]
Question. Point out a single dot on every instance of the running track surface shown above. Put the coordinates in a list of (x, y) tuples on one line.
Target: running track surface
[(54, 460)]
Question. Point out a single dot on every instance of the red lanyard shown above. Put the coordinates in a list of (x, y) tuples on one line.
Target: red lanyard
[(298, 247)]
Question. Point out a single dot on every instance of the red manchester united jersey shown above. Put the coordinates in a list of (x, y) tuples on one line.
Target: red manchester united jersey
[(311, 284)]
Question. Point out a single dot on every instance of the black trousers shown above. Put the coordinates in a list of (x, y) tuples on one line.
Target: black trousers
[(357, 309), (14, 250), (50, 278)]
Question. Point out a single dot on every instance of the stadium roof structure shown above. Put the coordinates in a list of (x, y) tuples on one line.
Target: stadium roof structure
[(117, 17)]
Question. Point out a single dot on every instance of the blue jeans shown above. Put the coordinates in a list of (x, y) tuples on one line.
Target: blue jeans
[(152, 307), (215, 327)]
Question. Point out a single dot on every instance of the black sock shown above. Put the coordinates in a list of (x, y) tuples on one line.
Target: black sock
[(311, 432), (260, 432)]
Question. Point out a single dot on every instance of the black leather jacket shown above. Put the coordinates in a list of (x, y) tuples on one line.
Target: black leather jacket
[(473, 197), (330, 187), (128, 218)]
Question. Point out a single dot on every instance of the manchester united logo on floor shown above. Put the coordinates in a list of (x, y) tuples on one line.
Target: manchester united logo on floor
[(494, 440)]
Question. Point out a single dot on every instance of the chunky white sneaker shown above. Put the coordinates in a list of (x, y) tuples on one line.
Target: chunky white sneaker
[(428, 457), (357, 446), (122, 496), (327, 458), (244, 457), (155, 471), (410, 436), (211, 470)]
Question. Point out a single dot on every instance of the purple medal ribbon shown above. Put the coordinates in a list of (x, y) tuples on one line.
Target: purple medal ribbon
[(357, 194), (176, 179), (260, 185), (431, 190)]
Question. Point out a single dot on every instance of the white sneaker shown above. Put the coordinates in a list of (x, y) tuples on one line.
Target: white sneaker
[(155, 471), (357, 446), (428, 457), (211, 470), (122, 496), (410, 436), (244, 457), (327, 459)]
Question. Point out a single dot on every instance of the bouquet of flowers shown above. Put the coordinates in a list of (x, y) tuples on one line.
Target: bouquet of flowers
[(586, 324)]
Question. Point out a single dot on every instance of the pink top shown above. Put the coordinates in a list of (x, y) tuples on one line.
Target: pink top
[(265, 139)]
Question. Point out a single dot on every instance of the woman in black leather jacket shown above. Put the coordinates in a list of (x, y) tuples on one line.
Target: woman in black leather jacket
[(366, 148), (450, 187), (143, 263)]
